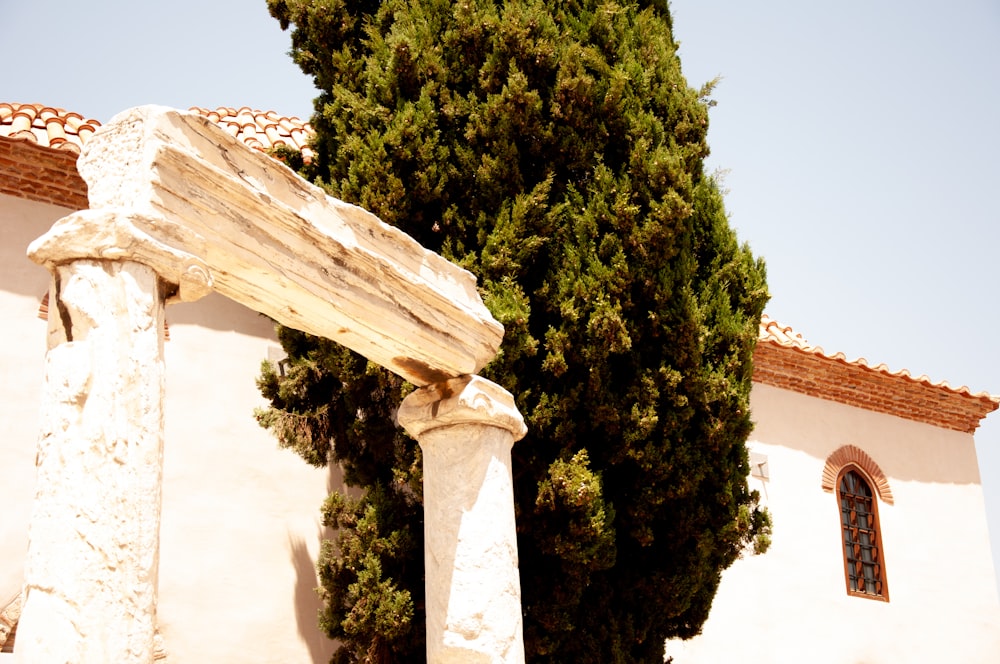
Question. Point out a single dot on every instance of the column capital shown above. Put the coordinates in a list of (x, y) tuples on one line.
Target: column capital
[(460, 400), (118, 235)]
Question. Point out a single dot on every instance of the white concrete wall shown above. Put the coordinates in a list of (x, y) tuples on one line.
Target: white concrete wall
[(791, 605), (240, 531)]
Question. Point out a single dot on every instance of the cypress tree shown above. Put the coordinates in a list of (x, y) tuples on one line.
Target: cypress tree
[(554, 149)]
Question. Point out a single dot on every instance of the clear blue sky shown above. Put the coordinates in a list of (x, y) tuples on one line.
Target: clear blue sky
[(861, 142)]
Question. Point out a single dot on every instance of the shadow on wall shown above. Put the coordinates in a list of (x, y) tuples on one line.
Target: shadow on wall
[(307, 603), (904, 449), (218, 312), (335, 482), (21, 222)]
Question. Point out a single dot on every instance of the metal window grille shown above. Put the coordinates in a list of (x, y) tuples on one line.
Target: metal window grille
[(860, 525)]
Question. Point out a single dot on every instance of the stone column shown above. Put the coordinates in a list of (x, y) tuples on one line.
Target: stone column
[(93, 551), (466, 427)]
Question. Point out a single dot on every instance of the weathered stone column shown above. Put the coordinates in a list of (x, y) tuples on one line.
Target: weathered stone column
[(466, 427), (93, 552), (92, 560)]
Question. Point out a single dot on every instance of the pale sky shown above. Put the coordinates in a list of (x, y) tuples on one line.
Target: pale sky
[(860, 141)]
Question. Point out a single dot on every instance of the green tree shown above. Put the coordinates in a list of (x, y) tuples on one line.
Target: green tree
[(554, 149)]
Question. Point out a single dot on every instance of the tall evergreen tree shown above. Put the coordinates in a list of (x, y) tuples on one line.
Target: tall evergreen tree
[(553, 148)]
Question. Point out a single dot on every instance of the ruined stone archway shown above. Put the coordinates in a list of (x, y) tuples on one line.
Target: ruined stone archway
[(178, 209)]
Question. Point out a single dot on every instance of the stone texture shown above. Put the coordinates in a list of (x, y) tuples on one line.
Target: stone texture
[(466, 427), (281, 246), (9, 615), (112, 235), (91, 568)]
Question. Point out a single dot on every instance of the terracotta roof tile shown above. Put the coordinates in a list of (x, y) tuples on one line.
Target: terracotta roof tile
[(785, 359), (64, 130), (262, 130), (45, 126), (773, 332)]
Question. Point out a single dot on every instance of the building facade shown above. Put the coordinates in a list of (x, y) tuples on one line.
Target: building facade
[(880, 551)]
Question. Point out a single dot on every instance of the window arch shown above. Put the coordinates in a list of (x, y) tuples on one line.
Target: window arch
[(864, 567), (852, 454)]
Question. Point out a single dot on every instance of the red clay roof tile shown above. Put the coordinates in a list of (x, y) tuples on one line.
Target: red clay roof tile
[(45, 126), (262, 129), (773, 332), (64, 130)]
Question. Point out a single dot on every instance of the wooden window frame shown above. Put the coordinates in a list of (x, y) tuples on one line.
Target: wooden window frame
[(876, 528)]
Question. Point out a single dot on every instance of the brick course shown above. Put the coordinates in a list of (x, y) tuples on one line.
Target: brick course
[(855, 456), (834, 379), (46, 175)]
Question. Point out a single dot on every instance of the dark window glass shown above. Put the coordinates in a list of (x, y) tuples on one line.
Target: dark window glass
[(859, 520)]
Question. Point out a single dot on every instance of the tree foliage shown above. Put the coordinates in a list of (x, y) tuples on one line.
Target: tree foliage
[(553, 148)]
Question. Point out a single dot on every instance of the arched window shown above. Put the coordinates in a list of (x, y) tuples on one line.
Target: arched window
[(863, 560)]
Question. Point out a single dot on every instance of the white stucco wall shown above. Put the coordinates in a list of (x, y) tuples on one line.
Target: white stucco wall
[(22, 351), (241, 526), (240, 530), (791, 605)]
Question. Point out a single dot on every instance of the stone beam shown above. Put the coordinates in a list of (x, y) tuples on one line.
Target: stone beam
[(261, 235)]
